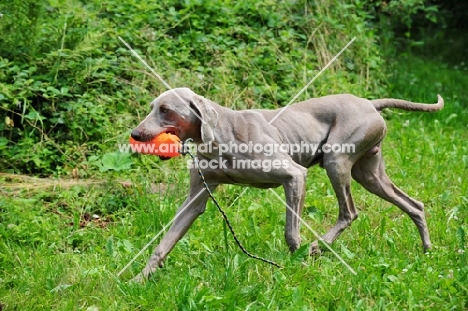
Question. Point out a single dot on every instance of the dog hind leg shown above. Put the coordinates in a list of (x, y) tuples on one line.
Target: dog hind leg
[(370, 173), (339, 172)]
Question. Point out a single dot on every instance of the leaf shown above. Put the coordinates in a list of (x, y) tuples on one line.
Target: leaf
[(392, 278), (110, 246), (60, 288), (34, 115), (301, 253), (116, 161), (64, 90), (347, 252), (206, 247), (3, 143), (128, 246)]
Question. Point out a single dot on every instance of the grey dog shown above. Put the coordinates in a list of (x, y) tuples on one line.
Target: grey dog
[(326, 121)]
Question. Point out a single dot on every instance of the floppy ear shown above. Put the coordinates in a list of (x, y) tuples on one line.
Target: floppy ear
[(209, 116)]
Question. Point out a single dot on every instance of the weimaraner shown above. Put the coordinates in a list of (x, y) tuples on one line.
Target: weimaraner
[(324, 121)]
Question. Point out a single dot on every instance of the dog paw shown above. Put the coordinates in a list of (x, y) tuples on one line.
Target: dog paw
[(140, 278), (427, 247), (315, 249), (147, 272)]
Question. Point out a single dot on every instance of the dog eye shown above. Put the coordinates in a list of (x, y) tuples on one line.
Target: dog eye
[(164, 109)]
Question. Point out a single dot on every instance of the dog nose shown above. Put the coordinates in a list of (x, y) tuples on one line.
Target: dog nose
[(136, 134)]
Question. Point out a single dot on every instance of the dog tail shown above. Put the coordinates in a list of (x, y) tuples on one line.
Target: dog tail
[(380, 104)]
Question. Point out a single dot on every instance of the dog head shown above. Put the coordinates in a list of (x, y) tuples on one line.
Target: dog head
[(180, 112)]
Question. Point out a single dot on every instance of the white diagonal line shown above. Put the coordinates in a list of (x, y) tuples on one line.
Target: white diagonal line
[(241, 194), (315, 233), (159, 233), (237, 198), (311, 81), (159, 77)]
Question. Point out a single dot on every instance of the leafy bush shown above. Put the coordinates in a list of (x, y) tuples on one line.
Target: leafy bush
[(70, 89)]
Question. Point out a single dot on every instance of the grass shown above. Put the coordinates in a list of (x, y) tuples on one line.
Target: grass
[(53, 258), (61, 247)]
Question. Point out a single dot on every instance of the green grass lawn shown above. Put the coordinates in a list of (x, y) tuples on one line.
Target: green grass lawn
[(61, 248)]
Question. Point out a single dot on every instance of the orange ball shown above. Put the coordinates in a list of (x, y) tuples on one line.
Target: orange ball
[(164, 145)]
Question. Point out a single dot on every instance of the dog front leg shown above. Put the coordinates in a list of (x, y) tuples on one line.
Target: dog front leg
[(193, 207), (294, 188)]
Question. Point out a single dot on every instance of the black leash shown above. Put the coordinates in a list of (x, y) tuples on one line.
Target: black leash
[(185, 150)]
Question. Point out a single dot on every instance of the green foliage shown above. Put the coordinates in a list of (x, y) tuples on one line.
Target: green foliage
[(407, 14), (70, 89), (116, 161), (62, 98), (404, 11), (20, 24), (399, 20)]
